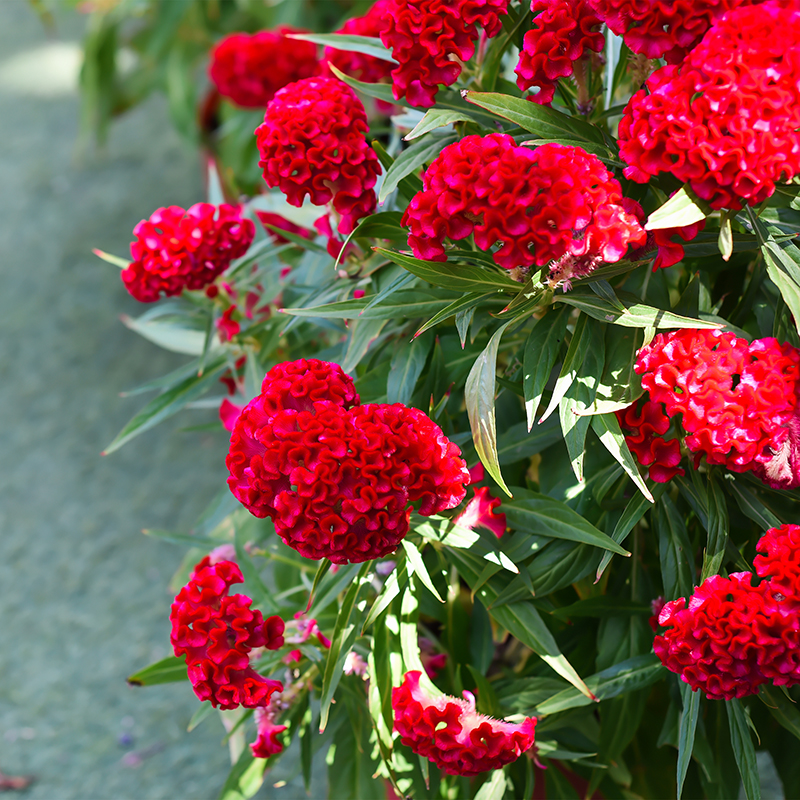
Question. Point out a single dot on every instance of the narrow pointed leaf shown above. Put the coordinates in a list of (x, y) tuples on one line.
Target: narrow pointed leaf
[(686, 730), (368, 45), (411, 160), (541, 353), (606, 426), (743, 749), (683, 208), (168, 670), (436, 118)]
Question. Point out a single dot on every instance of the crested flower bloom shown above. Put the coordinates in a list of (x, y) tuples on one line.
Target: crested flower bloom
[(562, 33), (337, 478), (358, 65), (644, 429), (657, 28), (738, 401), (452, 734), (177, 249), (249, 69), (431, 39), (480, 512), (216, 631), (312, 143), (726, 120), (731, 636), (671, 251), (267, 742), (549, 202)]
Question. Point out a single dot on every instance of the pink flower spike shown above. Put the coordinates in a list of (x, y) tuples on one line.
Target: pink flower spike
[(480, 513), (267, 744), (452, 734)]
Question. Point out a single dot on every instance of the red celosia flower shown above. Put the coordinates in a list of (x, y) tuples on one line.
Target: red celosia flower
[(657, 28), (452, 734), (229, 413), (562, 34), (726, 120), (781, 564), (177, 249), (249, 69), (268, 218), (738, 401), (312, 143), (480, 512), (336, 477), (227, 327), (358, 65), (216, 631), (670, 251), (551, 202), (656, 606), (430, 39), (644, 429), (267, 744)]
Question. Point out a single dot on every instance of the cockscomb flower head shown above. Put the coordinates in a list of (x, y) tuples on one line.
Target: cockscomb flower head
[(249, 69), (726, 120), (738, 401), (312, 145), (431, 39), (452, 734), (562, 33), (215, 632), (543, 203), (337, 478), (656, 28), (644, 427), (731, 636), (267, 742), (358, 65), (177, 249)]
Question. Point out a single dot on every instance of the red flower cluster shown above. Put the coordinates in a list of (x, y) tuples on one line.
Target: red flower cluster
[(452, 734), (657, 28), (216, 631), (312, 143), (738, 401), (644, 431), (670, 251), (430, 40), (249, 69), (358, 65), (562, 34), (732, 636), (557, 199), (726, 120), (337, 477), (178, 249)]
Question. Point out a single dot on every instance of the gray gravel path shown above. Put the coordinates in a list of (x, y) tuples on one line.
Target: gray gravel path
[(83, 598)]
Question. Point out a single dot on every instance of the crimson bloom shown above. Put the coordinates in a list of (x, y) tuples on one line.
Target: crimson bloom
[(549, 202), (249, 69), (562, 33), (452, 734), (177, 249), (267, 742), (644, 428), (726, 120), (312, 144), (337, 478), (738, 401), (216, 631), (431, 39)]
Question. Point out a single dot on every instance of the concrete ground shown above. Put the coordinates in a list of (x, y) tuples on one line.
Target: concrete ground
[(83, 597)]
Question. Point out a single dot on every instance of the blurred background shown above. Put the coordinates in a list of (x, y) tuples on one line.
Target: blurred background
[(83, 594)]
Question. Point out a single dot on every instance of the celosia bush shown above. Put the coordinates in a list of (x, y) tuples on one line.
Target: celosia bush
[(505, 377)]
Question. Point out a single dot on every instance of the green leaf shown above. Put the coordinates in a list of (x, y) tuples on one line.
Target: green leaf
[(383, 225), (626, 676), (168, 403), (418, 567), (494, 788), (181, 538), (344, 634), (782, 709), (674, 550), (395, 583), (751, 506), (368, 45), (540, 355), (516, 443), (407, 365), (122, 263), (606, 426), (202, 713), (743, 748), (178, 335), (578, 347), (479, 397), (543, 121), (168, 670), (245, 778), (457, 307), (322, 571), (544, 516), (683, 208), (363, 332), (382, 91), (411, 304), (601, 606), (636, 315), (410, 160), (717, 529), (450, 275), (686, 730), (436, 118), (619, 384), (726, 234)]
